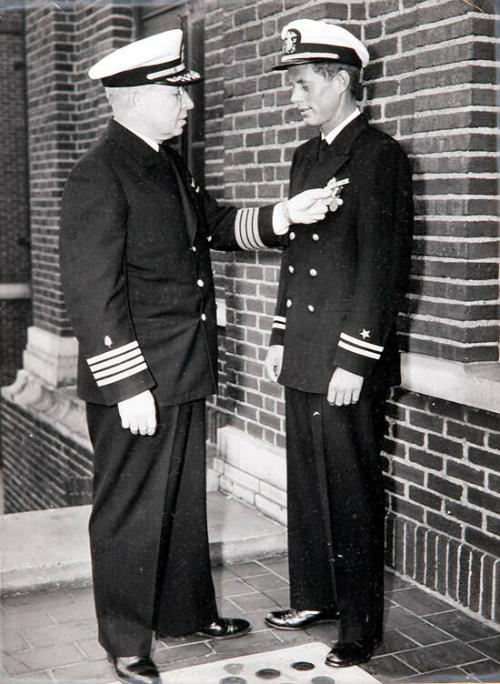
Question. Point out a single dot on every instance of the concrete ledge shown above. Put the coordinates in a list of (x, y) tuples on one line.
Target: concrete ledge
[(46, 550), (15, 291), (471, 384), (252, 471), (58, 407), (50, 357)]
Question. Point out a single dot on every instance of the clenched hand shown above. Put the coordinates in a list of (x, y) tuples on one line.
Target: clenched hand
[(138, 414), (344, 388)]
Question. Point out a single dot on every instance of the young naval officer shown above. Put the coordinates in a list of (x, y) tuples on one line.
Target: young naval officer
[(333, 343), (136, 232)]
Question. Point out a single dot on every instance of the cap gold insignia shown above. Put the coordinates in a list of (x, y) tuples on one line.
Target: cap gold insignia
[(290, 41)]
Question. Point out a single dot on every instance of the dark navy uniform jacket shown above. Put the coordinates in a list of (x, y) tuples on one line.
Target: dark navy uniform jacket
[(135, 266), (343, 279)]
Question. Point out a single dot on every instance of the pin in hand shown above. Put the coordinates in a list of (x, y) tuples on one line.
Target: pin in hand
[(335, 186)]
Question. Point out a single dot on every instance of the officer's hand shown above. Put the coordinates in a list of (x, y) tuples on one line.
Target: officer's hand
[(344, 388), (274, 361), (138, 414), (309, 206)]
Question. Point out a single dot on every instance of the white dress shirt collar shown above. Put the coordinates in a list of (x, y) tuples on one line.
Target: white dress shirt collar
[(334, 133)]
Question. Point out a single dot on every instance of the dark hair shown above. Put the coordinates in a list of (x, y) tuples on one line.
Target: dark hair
[(329, 69)]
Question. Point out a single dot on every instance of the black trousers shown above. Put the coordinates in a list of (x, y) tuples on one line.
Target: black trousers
[(148, 528), (335, 509)]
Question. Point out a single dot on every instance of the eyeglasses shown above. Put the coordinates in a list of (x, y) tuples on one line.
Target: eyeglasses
[(179, 90)]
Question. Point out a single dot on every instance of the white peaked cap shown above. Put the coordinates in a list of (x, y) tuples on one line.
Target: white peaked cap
[(308, 40), (156, 59)]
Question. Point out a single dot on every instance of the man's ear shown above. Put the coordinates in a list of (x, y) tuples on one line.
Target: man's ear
[(343, 80)]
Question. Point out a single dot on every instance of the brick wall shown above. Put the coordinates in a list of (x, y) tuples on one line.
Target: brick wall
[(15, 315), (14, 216), (49, 33), (442, 470), (445, 116), (55, 471), (14, 261)]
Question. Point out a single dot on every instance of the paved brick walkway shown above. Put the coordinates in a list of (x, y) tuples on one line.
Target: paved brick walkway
[(51, 637)]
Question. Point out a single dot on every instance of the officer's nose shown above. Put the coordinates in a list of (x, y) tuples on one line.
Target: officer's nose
[(295, 96)]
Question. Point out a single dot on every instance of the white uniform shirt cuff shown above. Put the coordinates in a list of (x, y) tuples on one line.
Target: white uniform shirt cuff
[(280, 220)]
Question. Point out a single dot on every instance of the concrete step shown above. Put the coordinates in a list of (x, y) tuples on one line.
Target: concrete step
[(45, 550)]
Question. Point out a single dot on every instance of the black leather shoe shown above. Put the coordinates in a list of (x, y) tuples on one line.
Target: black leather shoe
[(135, 670), (347, 654), (298, 619), (226, 628)]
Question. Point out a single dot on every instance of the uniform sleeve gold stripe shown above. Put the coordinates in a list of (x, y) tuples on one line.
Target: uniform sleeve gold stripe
[(280, 326), (239, 229), (361, 343), (280, 319), (122, 376), (112, 352), (249, 226), (116, 360), (247, 229), (120, 367), (247, 223), (356, 350), (255, 229)]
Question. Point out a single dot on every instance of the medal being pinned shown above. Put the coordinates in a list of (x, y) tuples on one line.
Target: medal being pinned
[(335, 186)]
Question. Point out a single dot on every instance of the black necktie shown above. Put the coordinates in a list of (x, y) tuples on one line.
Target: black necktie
[(323, 148)]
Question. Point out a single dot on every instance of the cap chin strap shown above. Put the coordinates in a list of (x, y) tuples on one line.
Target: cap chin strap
[(316, 52), (166, 72), (143, 75)]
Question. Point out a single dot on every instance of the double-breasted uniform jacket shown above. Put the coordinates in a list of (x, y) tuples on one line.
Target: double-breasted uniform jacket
[(136, 233), (343, 279)]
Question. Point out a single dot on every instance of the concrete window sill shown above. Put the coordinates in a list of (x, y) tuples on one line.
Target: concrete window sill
[(472, 384), (15, 291)]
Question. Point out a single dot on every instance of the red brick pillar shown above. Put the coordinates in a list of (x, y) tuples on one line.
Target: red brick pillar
[(15, 302), (433, 74), (49, 51)]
